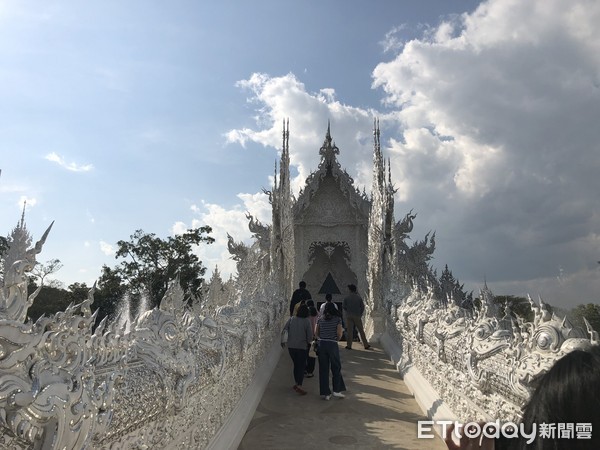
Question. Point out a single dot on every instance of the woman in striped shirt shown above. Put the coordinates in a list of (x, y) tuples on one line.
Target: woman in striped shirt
[(329, 331)]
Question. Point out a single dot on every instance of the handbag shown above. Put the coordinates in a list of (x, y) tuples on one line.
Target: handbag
[(313, 351), (284, 333)]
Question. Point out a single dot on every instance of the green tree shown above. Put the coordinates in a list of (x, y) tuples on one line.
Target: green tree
[(77, 292), (3, 246), (591, 312), (49, 300), (41, 270), (519, 306), (151, 262), (109, 292), (52, 299), (450, 288), (3, 251)]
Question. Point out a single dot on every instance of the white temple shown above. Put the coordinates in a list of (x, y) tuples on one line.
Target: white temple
[(190, 378)]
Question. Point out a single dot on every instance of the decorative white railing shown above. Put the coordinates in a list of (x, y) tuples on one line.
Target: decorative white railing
[(175, 377), (478, 365), (171, 381)]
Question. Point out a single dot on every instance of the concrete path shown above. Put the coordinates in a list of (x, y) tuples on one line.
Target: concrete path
[(378, 412)]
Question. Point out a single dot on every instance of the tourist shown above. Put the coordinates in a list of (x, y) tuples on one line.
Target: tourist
[(354, 307), (312, 316), (312, 313), (473, 443), (566, 395), (300, 294), (299, 337), (329, 331), (296, 306), (328, 299)]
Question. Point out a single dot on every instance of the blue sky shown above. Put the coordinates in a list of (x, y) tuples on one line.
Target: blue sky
[(116, 116)]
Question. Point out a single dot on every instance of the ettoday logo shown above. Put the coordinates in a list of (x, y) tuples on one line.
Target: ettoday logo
[(473, 430), (510, 430)]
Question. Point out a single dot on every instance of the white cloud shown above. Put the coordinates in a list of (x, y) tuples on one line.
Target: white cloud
[(498, 144), (226, 220), (29, 201), (10, 188), (107, 249), (73, 167), (492, 136), (258, 205), (279, 98), (393, 41), (179, 228)]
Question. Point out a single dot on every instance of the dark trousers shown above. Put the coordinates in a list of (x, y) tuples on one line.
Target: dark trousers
[(329, 358), (351, 322), (299, 357), (310, 364)]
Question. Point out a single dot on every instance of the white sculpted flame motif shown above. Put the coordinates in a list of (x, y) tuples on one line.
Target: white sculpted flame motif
[(66, 385), (501, 354)]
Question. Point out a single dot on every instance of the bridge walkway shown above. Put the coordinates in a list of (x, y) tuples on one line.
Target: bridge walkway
[(378, 412)]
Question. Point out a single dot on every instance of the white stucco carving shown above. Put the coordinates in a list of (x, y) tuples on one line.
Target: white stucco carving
[(170, 381), (176, 375)]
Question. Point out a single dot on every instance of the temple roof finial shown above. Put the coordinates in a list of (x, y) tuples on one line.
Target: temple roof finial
[(22, 224), (327, 141), (328, 150)]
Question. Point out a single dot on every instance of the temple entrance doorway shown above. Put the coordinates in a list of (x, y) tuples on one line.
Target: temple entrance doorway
[(329, 269)]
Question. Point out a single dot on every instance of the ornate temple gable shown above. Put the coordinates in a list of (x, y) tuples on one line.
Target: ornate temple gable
[(328, 174), (329, 207)]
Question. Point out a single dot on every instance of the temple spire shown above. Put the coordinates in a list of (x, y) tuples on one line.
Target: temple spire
[(376, 134), (377, 225), (327, 141), (378, 164), (282, 228), (22, 223), (328, 150), (284, 165)]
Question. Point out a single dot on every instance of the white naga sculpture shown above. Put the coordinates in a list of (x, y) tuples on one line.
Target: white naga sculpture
[(481, 363), (169, 382)]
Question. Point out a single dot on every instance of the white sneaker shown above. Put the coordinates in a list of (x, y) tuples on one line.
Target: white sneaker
[(326, 397), (338, 395)]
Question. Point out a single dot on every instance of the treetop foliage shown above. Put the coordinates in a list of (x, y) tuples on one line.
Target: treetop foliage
[(149, 263)]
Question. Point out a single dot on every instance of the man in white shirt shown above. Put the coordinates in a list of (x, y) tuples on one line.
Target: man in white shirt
[(328, 299)]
